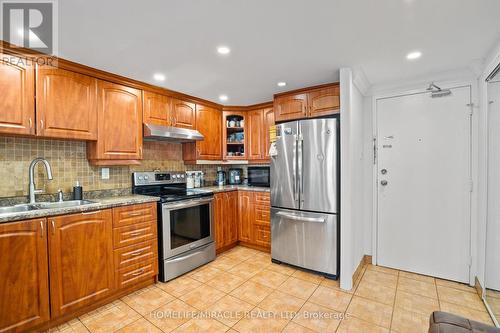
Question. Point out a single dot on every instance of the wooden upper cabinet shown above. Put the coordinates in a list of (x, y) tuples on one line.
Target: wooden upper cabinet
[(268, 122), (183, 114), (66, 104), (24, 282), (311, 102), (81, 260), (157, 109), (255, 134), (209, 123), (17, 104), (289, 107), (120, 125), (323, 102)]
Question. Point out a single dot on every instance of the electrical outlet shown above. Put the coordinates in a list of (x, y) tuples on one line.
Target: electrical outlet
[(105, 173)]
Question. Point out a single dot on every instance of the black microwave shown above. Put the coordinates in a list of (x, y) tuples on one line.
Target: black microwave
[(259, 176)]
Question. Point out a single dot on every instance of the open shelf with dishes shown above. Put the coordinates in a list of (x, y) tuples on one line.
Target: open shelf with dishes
[(234, 138)]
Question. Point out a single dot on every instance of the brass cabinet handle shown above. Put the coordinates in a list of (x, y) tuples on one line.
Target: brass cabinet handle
[(92, 212), (135, 214), (137, 233), (53, 227), (41, 123), (41, 228), (136, 253), (138, 273)]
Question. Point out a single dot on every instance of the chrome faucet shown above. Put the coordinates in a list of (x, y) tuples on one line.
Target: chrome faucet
[(32, 189)]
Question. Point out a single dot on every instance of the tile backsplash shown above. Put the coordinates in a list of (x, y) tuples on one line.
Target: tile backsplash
[(69, 164)]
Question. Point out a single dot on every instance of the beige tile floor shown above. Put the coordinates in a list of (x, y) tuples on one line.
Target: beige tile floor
[(242, 291)]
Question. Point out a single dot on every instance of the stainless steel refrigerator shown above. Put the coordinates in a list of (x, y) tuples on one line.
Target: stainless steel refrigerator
[(305, 172)]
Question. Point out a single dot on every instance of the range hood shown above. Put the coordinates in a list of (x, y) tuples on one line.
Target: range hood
[(168, 133)]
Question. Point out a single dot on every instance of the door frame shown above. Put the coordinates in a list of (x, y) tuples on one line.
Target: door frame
[(419, 88)]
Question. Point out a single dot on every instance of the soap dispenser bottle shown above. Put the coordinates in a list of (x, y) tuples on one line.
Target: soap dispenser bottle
[(77, 191)]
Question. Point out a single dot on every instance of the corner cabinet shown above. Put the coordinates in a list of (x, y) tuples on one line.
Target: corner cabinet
[(120, 126), (234, 140), (24, 282), (81, 260), (259, 123), (268, 122), (209, 124), (17, 105), (305, 103), (66, 104)]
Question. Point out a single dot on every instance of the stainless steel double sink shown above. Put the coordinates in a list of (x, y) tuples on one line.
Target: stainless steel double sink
[(43, 205)]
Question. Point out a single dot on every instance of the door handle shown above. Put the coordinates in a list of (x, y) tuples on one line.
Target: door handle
[(383, 182), (301, 218), (294, 169)]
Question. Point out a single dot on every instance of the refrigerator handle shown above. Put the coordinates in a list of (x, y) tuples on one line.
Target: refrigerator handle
[(294, 167), (301, 166)]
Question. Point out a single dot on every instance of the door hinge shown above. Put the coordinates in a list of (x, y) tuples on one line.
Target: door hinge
[(471, 108), (374, 151), (471, 185)]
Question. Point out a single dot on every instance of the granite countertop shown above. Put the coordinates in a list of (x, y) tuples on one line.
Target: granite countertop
[(101, 203), (229, 188)]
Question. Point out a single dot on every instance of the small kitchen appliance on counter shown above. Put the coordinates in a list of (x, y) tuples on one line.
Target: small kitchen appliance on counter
[(259, 176), (235, 176), (221, 177)]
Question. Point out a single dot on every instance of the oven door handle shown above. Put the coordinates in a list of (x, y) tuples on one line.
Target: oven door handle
[(187, 204), (185, 257)]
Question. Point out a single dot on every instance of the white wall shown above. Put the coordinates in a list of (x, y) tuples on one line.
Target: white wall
[(352, 248)]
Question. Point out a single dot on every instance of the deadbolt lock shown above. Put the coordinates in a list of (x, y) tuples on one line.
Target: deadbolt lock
[(383, 171), (383, 182)]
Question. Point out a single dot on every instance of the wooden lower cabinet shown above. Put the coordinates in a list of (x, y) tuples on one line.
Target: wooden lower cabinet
[(226, 219), (24, 280), (81, 260), (246, 212)]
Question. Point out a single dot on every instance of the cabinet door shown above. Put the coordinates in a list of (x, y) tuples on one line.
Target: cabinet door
[(17, 105), (157, 109), (219, 215), (268, 122), (255, 130), (209, 123), (66, 104), (81, 260), (245, 200), (24, 281), (120, 123), (290, 107), (231, 215), (324, 102), (184, 114)]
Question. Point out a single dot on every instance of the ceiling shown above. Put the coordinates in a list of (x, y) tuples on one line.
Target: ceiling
[(301, 42)]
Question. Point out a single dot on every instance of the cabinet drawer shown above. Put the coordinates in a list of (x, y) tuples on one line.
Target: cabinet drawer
[(263, 198), (263, 214), (262, 235), (128, 276), (129, 215), (133, 234), (135, 254)]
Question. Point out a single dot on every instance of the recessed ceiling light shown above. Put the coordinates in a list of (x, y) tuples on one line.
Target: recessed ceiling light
[(414, 55), (223, 98), (223, 50), (281, 84), (159, 77)]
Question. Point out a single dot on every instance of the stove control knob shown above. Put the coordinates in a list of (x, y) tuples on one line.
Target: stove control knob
[(140, 178), (146, 177), (174, 176), (182, 176)]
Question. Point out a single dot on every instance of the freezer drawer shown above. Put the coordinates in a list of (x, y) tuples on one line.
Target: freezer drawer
[(304, 239)]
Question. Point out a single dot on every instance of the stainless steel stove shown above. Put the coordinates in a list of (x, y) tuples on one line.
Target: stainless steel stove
[(185, 221)]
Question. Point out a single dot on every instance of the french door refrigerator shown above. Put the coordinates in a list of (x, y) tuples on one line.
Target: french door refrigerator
[(305, 201)]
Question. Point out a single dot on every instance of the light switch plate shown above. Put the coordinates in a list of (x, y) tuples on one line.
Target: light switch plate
[(105, 173)]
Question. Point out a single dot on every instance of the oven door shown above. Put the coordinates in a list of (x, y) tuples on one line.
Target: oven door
[(186, 225)]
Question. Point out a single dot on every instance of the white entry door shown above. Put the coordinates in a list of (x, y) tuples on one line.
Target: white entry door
[(423, 177)]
